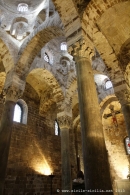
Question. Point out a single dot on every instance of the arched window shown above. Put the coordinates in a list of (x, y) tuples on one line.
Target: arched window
[(46, 57), (127, 145), (63, 46), (108, 85), (22, 7), (17, 113), (57, 129), (20, 112)]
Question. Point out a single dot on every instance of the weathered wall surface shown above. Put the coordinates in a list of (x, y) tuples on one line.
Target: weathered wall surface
[(34, 154), (114, 139)]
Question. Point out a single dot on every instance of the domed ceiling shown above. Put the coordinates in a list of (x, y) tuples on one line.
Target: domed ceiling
[(32, 5)]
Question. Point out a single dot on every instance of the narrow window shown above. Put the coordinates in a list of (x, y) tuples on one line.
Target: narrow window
[(57, 129), (17, 113), (46, 57), (108, 85), (63, 46), (22, 7), (127, 145)]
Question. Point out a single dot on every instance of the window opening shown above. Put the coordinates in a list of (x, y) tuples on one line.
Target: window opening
[(63, 46), (46, 57), (22, 7), (17, 113), (108, 85), (57, 129), (127, 145)]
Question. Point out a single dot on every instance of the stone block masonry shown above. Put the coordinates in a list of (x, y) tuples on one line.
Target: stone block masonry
[(34, 154)]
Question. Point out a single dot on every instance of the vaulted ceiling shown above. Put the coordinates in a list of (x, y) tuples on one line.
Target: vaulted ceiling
[(27, 34)]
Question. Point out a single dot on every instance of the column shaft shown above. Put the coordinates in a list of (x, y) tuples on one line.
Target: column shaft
[(65, 159), (5, 136), (94, 151)]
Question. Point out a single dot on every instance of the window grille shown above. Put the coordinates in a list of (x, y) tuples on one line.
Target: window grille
[(22, 7), (63, 46)]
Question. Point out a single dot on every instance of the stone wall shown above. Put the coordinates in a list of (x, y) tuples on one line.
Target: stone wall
[(29, 184), (114, 138), (34, 154)]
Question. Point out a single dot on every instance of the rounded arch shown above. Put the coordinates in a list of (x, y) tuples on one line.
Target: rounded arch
[(34, 47)]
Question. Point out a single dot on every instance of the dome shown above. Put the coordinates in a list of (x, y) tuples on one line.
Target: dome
[(32, 5)]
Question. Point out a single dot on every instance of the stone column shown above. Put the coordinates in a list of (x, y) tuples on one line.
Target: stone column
[(64, 121), (96, 168), (124, 98), (5, 136), (5, 131)]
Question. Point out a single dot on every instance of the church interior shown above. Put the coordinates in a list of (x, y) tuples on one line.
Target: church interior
[(64, 96)]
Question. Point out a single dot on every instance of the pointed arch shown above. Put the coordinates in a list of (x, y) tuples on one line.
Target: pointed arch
[(71, 12), (6, 57), (95, 11), (46, 86), (34, 47), (107, 101)]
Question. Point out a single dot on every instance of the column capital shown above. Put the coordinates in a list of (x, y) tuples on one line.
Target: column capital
[(13, 87), (12, 93), (64, 120), (82, 48)]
